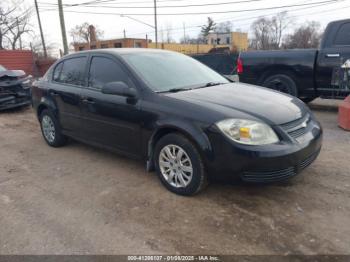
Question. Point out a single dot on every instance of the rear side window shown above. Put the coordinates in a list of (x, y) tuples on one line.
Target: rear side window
[(343, 35), (104, 70), (70, 71)]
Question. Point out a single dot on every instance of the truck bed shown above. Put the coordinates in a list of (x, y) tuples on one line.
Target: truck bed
[(298, 63)]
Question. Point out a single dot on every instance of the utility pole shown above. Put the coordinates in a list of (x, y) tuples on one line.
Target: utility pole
[(40, 28), (63, 27), (124, 33), (155, 22), (184, 32)]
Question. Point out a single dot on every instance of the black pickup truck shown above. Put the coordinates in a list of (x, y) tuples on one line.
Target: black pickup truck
[(307, 73)]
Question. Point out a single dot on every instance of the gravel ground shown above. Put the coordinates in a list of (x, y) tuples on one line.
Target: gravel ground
[(82, 200)]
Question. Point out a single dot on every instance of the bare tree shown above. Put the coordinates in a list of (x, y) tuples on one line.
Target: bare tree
[(37, 48), (261, 34), (224, 27), (5, 22), (268, 32), (14, 22), (81, 33), (306, 36), (279, 24), (19, 27)]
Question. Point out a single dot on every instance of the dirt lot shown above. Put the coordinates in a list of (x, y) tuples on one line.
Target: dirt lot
[(81, 200)]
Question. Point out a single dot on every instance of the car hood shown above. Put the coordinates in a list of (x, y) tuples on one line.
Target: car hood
[(270, 106), (12, 73)]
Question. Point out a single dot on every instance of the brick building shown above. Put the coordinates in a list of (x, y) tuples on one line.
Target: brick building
[(112, 43)]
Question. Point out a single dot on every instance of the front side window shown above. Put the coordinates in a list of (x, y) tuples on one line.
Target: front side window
[(71, 71), (104, 70), (57, 72), (343, 35), (163, 71)]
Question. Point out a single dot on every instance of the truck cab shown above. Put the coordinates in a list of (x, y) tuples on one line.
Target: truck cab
[(334, 51)]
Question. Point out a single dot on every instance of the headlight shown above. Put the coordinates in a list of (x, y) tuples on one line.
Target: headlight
[(248, 132)]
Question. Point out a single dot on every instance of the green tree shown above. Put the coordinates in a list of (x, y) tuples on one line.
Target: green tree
[(209, 27)]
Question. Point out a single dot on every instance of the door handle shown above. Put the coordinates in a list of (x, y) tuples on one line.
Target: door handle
[(53, 93), (332, 55), (88, 101)]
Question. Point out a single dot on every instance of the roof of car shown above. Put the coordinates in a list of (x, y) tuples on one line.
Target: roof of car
[(118, 51)]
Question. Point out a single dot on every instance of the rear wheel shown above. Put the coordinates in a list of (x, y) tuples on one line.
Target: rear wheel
[(179, 165), (282, 83), (51, 129)]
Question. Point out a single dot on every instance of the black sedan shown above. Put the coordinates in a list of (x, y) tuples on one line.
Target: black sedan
[(179, 116)]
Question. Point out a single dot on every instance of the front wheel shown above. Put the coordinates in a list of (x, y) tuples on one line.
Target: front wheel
[(179, 165)]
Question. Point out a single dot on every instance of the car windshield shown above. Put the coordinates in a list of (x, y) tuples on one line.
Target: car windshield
[(168, 71), (2, 68)]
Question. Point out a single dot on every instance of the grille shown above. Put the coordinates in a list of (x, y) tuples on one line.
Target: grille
[(298, 127), (309, 160), (270, 176)]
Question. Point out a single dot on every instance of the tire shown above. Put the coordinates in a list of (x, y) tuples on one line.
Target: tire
[(282, 83), (54, 138), (191, 182), (307, 100)]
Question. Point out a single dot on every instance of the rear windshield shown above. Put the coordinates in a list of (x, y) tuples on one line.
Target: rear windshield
[(2, 68), (168, 70)]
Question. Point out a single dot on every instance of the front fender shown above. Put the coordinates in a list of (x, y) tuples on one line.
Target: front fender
[(192, 131)]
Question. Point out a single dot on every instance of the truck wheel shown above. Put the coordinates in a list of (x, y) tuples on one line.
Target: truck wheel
[(179, 166), (282, 83), (307, 100)]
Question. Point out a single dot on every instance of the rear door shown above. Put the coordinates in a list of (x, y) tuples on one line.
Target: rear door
[(333, 55), (110, 120), (65, 89)]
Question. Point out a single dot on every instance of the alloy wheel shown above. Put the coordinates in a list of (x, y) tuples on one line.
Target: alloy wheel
[(175, 166), (48, 128)]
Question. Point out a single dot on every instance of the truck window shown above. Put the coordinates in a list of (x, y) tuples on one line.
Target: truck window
[(343, 35)]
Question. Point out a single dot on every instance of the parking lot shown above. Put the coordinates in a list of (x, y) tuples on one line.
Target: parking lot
[(82, 200)]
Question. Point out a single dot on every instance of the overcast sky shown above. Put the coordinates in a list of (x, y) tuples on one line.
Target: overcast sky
[(113, 24)]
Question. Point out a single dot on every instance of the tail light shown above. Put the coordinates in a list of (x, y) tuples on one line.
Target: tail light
[(239, 66)]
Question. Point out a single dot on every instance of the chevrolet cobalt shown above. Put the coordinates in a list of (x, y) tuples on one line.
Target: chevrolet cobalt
[(183, 119)]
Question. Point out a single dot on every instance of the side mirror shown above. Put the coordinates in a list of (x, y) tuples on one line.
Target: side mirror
[(119, 89)]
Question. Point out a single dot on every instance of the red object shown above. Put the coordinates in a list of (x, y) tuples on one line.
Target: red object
[(239, 66), (17, 60), (344, 114), (25, 60)]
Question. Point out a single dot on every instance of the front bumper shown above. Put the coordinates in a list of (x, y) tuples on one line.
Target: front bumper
[(263, 164), (17, 100)]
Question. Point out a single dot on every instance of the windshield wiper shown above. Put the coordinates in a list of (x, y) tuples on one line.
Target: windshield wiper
[(174, 90), (210, 84)]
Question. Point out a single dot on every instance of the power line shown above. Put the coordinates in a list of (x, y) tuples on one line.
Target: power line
[(206, 13), (117, 3), (172, 6), (254, 17)]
